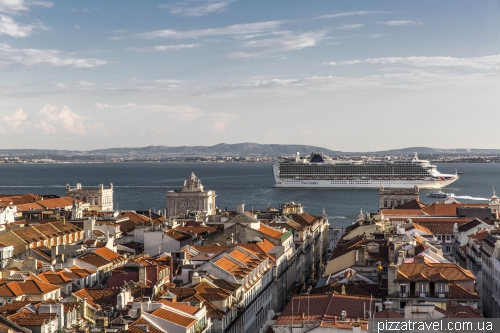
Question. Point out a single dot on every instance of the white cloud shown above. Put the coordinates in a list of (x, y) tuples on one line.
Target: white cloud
[(14, 29), (46, 4), (399, 23), (220, 120), (13, 5), (64, 118), (14, 122), (10, 56), (197, 8), (45, 127), (103, 106), (271, 46), (349, 26), (354, 13), (166, 47), (484, 62), (235, 29)]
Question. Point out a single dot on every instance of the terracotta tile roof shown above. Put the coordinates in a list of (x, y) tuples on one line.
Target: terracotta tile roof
[(14, 306), (28, 206), (304, 219), (440, 227), (15, 288), (94, 260), (459, 292), (36, 287), (134, 217), (57, 202), (481, 234), (388, 313), (107, 253), (12, 289), (262, 247), (271, 232), (433, 272), (29, 234), (461, 311), (151, 328), (99, 298), (438, 209), (402, 212), (181, 306), (317, 308), (227, 265), (41, 252), (32, 319), (177, 235), (413, 204), (347, 247), (197, 230), (211, 248), (421, 228), (469, 225), (54, 278), (174, 317)]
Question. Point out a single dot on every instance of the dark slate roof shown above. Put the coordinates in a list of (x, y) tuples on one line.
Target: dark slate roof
[(243, 218)]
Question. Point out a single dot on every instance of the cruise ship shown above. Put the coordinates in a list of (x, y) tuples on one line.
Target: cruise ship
[(320, 171)]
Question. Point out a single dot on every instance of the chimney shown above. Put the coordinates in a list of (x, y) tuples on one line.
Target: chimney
[(240, 208), (303, 316)]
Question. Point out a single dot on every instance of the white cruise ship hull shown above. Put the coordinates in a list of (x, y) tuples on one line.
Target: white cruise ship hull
[(422, 184), (428, 183)]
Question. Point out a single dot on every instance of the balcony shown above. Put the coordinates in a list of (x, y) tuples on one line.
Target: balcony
[(415, 294), (441, 294)]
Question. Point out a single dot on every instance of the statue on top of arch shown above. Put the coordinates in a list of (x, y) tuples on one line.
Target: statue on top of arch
[(193, 184)]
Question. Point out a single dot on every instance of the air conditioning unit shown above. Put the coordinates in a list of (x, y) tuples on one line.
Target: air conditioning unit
[(441, 295), (422, 294), (404, 294)]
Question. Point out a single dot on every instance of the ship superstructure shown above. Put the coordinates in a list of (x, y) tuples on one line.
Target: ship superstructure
[(319, 170)]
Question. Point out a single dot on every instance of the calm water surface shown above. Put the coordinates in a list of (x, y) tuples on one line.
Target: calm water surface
[(143, 186)]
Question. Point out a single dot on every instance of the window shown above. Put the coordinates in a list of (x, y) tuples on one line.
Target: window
[(441, 288), (422, 287), (438, 237), (385, 204), (448, 237), (402, 290)]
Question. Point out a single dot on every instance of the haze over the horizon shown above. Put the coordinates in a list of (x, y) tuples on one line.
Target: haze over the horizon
[(347, 76)]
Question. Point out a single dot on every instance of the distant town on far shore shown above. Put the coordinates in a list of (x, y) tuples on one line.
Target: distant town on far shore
[(241, 152)]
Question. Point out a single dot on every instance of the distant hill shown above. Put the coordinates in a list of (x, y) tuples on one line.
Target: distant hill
[(224, 148), (242, 149)]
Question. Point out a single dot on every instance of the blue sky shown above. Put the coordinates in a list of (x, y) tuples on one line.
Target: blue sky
[(346, 75)]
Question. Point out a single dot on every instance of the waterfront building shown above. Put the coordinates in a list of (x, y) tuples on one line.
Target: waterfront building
[(192, 197), (395, 197), (99, 199)]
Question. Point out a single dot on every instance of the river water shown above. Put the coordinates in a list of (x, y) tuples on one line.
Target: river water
[(143, 186)]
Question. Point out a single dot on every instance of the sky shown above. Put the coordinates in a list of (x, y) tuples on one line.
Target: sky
[(344, 75)]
